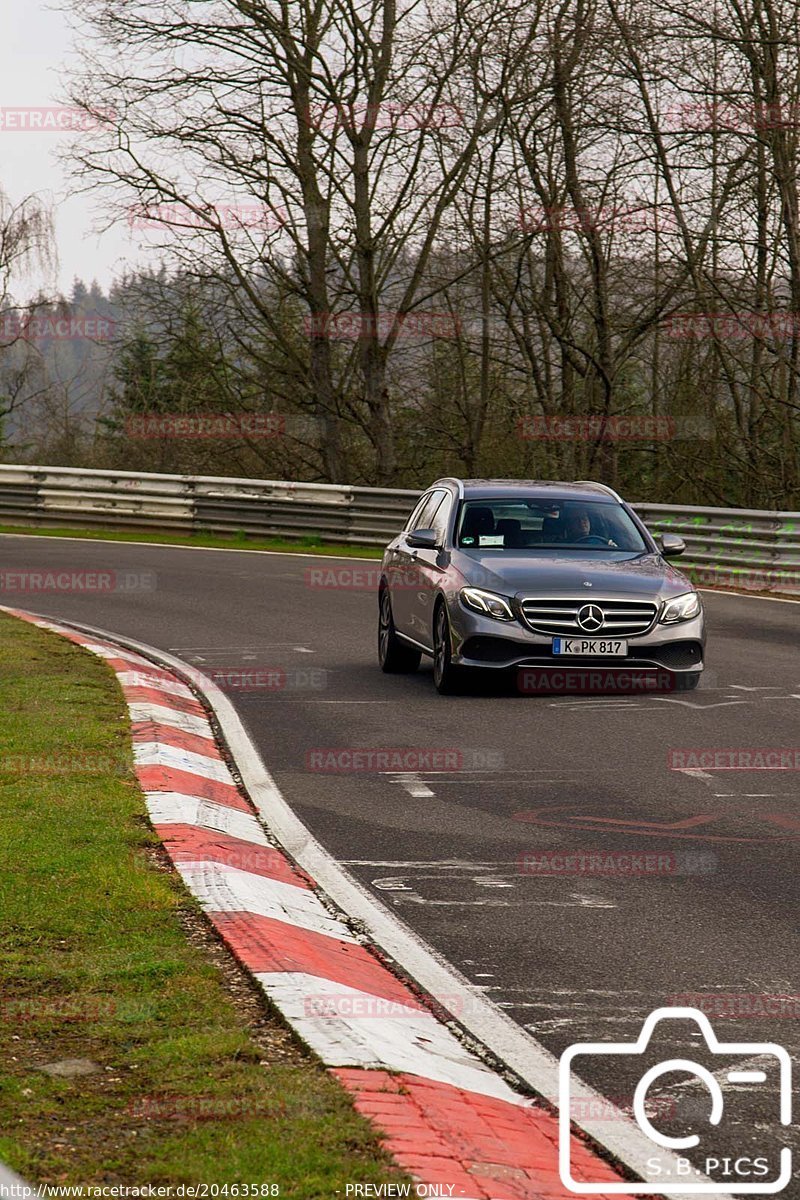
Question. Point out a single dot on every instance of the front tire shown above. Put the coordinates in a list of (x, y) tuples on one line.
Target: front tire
[(395, 657), (449, 680)]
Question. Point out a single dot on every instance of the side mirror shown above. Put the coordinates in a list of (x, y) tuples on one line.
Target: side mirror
[(672, 546), (424, 539)]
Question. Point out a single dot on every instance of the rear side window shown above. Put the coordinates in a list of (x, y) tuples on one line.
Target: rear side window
[(441, 517), (423, 516), (418, 507)]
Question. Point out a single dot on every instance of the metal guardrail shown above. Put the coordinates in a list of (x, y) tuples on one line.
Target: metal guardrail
[(70, 496), (733, 547)]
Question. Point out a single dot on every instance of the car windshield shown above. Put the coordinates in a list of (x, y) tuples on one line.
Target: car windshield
[(512, 524)]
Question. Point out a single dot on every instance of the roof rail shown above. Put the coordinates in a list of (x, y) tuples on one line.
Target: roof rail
[(451, 479), (603, 487)]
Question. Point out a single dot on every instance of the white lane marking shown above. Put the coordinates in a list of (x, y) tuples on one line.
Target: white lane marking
[(446, 864), (49, 537), (301, 700), (173, 808), (495, 1029), (241, 649), (694, 704), (156, 754), (695, 773), (142, 710), (413, 784), (407, 895), (413, 1042), (744, 687), (220, 888), (143, 679)]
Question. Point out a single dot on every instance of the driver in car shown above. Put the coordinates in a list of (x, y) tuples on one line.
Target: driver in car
[(578, 528), (578, 525)]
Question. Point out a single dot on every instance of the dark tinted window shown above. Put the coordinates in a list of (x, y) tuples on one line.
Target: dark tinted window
[(423, 519), (410, 523), (441, 517), (587, 525)]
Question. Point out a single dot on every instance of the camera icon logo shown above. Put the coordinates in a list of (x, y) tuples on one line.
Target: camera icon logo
[(676, 1174)]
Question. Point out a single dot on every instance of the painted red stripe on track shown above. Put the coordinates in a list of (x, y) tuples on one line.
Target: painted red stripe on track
[(169, 779), (144, 695), (139, 667), (168, 735), (190, 843), (265, 944), (487, 1147)]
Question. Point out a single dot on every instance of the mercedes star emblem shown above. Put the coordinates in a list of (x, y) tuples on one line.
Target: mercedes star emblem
[(591, 618)]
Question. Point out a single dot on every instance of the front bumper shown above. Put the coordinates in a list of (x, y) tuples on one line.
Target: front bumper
[(482, 642)]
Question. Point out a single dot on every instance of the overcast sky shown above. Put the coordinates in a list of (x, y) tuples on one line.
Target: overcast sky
[(35, 48)]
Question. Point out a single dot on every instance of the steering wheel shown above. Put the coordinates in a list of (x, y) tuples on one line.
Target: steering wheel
[(593, 539)]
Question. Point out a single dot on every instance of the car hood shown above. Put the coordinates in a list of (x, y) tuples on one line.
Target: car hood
[(526, 573)]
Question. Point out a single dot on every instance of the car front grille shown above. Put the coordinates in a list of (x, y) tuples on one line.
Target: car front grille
[(620, 618)]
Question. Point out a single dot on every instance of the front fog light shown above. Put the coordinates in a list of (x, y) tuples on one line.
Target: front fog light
[(682, 608), (487, 603)]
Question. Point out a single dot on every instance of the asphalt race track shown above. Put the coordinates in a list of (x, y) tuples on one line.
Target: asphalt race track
[(571, 955)]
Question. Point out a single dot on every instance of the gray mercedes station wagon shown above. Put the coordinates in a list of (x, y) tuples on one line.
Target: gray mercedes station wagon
[(503, 574)]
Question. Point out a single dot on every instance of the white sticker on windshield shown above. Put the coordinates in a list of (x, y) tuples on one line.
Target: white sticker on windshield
[(491, 540)]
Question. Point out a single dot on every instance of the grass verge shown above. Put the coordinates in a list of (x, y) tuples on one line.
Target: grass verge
[(173, 1069), (239, 541)]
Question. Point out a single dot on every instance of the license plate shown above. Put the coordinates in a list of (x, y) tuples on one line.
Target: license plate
[(591, 647)]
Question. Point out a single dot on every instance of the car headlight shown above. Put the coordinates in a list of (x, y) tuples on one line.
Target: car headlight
[(487, 603), (682, 608)]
